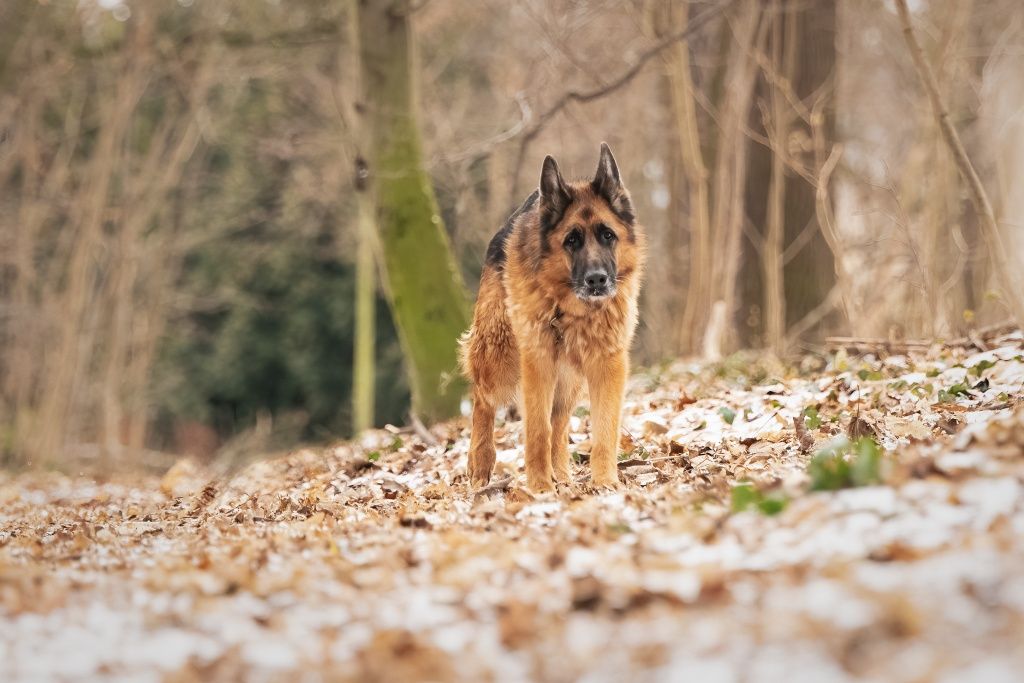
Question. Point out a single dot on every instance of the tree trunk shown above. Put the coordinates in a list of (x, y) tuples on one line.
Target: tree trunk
[(810, 275), (423, 285), (775, 195), (782, 58), (729, 177), (684, 110), (364, 370)]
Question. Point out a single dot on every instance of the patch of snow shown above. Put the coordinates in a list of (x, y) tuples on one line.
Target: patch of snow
[(1000, 670), (682, 584), (992, 498), (687, 667), (878, 499), (267, 652)]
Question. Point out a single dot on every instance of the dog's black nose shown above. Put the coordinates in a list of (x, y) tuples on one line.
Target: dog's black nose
[(596, 279)]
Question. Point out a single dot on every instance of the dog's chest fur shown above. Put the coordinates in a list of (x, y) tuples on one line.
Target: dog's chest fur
[(568, 329), (600, 332)]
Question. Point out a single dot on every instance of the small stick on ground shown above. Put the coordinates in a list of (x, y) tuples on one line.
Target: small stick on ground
[(496, 485), (803, 437), (980, 338)]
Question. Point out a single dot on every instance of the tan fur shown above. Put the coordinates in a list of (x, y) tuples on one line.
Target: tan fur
[(531, 332)]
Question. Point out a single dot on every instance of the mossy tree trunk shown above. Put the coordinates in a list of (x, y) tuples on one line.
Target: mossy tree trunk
[(427, 296)]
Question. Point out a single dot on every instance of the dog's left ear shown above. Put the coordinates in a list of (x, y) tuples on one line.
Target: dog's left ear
[(608, 184)]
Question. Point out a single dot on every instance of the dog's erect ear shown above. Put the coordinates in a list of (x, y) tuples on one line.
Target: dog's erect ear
[(606, 181), (554, 193), (608, 184)]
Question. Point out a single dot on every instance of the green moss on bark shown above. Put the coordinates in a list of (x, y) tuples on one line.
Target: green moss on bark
[(427, 296)]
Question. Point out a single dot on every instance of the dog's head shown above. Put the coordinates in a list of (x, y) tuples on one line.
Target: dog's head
[(587, 229)]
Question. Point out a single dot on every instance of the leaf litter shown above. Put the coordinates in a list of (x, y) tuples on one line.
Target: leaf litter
[(861, 522)]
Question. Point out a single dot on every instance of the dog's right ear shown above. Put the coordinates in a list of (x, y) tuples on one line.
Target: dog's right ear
[(554, 193)]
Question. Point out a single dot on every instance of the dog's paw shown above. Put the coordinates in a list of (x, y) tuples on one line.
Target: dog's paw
[(540, 483), (567, 489), (563, 477), (480, 468), (606, 482), (479, 476)]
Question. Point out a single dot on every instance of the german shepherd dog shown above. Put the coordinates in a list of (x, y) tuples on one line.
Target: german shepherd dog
[(557, 306)]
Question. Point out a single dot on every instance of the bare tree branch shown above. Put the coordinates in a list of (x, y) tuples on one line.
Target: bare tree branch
[(483, 148), (614, 84)]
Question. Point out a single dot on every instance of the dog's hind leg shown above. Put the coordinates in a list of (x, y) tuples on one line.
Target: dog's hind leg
[(490, 359), (567, 391), (481, 443), (495, 372)]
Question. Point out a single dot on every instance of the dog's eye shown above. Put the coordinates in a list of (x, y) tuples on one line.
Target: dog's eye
[(607, 234), (573, 240)]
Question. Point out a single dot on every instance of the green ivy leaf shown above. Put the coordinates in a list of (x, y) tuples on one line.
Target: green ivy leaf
[(827, 469), (743, 496), (772, 505), (866, 468), (842, 464), (950, 395), (981, 366)]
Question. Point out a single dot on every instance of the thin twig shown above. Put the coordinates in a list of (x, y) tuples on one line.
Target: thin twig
[(815, 315), (421, 430), (903, 222), (483, 148)]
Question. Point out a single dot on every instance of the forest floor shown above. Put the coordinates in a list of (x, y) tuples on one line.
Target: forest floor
[(860, 521)]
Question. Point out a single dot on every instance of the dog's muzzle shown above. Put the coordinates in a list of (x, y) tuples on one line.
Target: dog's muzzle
[(597, 285)]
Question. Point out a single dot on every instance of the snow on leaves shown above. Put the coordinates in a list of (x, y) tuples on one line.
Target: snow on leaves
[(717, 561)]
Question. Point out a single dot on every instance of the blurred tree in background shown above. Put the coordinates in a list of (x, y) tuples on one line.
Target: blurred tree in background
[(424, 284)]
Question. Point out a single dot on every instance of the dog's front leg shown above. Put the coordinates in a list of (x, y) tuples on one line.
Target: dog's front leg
[(606, 378), (538, 394)]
